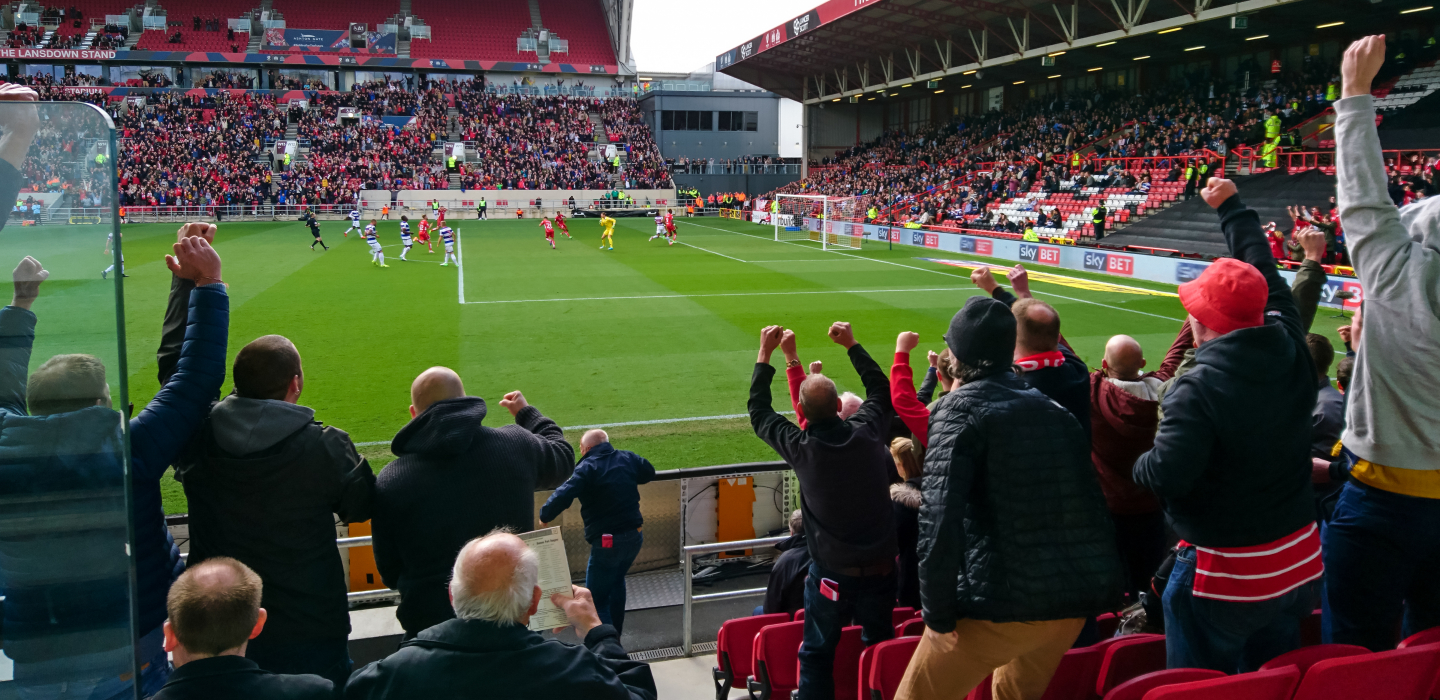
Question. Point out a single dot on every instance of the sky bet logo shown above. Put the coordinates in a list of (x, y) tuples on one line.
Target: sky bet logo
[(1110, 263), (1039, 254)]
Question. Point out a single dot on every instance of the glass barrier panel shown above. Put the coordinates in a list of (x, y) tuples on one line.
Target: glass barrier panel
[(69, 614)]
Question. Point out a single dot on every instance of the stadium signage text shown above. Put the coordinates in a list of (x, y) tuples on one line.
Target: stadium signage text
[(83, 54), (1040, 254), (1110, 263)]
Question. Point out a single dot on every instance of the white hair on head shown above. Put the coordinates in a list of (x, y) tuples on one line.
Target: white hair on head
[(504, 606), (849, 404)]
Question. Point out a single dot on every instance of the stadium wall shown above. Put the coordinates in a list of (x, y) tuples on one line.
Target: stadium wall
[(734, 183), (464, 200), (836, 126), (698, 145), (1152, 268)]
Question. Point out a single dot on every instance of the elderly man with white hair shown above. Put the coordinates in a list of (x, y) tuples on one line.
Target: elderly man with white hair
[(488, 651), (607, 483)]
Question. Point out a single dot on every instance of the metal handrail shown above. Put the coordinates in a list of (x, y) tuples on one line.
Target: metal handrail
[(685, 572)]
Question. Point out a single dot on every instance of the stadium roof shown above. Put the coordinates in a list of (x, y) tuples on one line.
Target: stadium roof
[(849, 47)]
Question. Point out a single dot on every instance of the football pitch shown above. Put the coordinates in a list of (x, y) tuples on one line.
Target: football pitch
[(654, 342)]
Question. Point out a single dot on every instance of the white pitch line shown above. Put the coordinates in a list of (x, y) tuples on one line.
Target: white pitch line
[(459, 265), (732, 294), (696, 247), (947, 274), (658, 421)]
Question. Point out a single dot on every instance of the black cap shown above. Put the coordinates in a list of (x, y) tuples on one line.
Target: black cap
[(983, 331)]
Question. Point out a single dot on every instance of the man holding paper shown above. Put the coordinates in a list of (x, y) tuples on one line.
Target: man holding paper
[(488, 650)]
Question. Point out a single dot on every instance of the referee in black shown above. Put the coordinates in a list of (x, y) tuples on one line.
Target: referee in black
[(309, 218)]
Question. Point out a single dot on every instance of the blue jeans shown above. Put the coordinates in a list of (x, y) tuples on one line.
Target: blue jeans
[(1382, 567), (329, 660), (605, 575), (867, 600), (1227, 636)]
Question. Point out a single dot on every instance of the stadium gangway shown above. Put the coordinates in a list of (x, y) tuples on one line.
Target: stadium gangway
[(686, 572)]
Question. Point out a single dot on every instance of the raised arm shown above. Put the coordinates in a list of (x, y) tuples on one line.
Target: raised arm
[(794, 373), (907, 404), (1184, 340), (555, 458), (1247, 242), (1310, 278), (172, 332), (573, 488), (768, 425), (1380, 246), (159, 432), (876, 408), (17, 335)]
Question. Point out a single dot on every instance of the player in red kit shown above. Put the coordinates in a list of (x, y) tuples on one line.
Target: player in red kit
[(440, 219), (560, 221), (670, 225), (424, 235), (549, 231)]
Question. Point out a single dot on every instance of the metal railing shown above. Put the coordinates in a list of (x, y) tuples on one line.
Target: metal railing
[(690, 552), (736, 169)]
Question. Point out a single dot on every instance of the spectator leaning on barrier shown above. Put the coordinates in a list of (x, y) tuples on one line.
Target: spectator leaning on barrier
[(843, 467), (265, 482), (785, 591), (455, 479), (488, 648), (1231, 461), (1382, 544), (1016, 548), (215, 611), (607, 483)]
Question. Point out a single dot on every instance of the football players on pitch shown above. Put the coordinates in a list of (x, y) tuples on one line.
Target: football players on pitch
[(309, 219), (664, 225), (354, 222), (670, 225), (549, 232), (560, 221), (447, 237), (405, 237), (377, 254), (424, 236), (607, 232)]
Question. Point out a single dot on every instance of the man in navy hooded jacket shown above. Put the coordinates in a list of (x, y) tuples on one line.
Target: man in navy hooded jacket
[(63, 566)]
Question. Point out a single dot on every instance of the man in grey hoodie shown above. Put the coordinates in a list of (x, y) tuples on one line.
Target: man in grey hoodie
[(265, 482), (1382, 546)]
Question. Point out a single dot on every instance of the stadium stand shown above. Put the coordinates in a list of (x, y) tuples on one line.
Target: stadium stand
[(582, 23), (1136, 688), (335, 14), (477, 31)]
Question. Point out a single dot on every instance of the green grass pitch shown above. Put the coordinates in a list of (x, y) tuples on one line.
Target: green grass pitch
[(646, 332)]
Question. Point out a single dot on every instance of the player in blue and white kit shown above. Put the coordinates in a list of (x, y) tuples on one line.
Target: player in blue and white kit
[(448, 238), (377, 254), (405, 237), (354, 222), (659, 227), (106, 272)]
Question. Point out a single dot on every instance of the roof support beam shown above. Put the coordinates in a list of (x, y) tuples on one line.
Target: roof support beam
[(1068, 30)]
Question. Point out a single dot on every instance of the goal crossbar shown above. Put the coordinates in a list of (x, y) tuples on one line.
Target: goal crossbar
[(820, 218)]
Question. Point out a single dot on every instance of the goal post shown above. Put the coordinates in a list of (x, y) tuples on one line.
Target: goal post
[(819, 218)]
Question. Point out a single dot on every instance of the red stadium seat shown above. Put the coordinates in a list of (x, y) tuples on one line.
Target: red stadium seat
[(1430, 636), (913, 627), (1105, 625), (1137, 687), (1403, 674), (734, 649), (777, 653), (1261, 685), (899, 615), (1128, 658), (847, 663), (1305, 657), (800, 615), (1074, 678), (889, 659), (1310, 630)]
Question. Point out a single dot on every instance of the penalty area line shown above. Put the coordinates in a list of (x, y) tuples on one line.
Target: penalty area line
[(602, 426)]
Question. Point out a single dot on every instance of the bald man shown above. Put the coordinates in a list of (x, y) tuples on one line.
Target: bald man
[(1124, 414), (844, 467), (214, 610), (607, 483), (488, 649), (454, 479)]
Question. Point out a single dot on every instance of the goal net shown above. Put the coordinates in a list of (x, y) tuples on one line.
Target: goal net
[(830, 221)]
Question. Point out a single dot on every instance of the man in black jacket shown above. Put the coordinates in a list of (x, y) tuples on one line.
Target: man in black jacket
[(455, 479), (215, 611), (1045, 360), (1231, 462), (1016, 545), (488, 651), (843, 467), (607, 483), (785, 591), (265, 481)]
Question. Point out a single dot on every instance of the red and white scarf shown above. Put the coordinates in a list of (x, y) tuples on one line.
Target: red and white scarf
[(1262, 572), (1054, 358)]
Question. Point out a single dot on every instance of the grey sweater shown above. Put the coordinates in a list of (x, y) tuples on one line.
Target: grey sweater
[(1394, 401)]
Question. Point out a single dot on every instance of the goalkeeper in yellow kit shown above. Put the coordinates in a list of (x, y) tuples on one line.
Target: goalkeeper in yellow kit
[(607, 232)]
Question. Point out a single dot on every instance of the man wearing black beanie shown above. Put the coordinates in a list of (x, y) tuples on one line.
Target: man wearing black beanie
[(1016, 545)]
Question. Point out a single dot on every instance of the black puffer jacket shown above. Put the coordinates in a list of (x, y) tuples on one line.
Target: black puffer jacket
[(1013, 527)]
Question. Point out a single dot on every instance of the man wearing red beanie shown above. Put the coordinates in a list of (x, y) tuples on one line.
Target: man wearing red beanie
[(1231, 461)]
